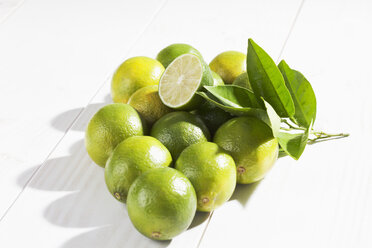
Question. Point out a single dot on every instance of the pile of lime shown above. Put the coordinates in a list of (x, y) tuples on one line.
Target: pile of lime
[(181, 133)]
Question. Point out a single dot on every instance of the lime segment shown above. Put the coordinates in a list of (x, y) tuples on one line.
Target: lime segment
[(180, 81)]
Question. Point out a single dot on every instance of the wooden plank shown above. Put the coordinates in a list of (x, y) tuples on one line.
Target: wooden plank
[(7, 7), (67, 198), (54, 55), (325, 198)]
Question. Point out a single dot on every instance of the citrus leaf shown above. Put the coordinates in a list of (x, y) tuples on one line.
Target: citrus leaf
[(292, 144), (234, 96), (274, 119), (302, 94), (237, 111), (267, 81)]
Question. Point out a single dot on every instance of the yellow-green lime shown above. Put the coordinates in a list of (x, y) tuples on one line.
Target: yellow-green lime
[(243, 81), (212, 116), (217, 80), (178, 130), (130, 159), (161, 203), (148, 104), (108, 127), (229, 65), (168, 54), (186, 75), (133, 74), (211, 171), (251, 144)]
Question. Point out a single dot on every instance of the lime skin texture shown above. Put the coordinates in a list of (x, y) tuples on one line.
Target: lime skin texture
[(178, 130), (130, 159), (212, 172), (252, 145), (111, 125), (161, 203)]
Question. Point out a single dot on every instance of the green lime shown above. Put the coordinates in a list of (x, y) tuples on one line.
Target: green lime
[(130, 159), (243, 81), (211, 171), (229, 65), (251, 144), (168, 54), (217, 80), (148, 104), (178, 130), (187, 74), (161, 203), (133, 74), (212, 116), (108, 127)]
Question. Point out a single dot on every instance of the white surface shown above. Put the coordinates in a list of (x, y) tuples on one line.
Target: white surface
[(324, 199), (55, 56)]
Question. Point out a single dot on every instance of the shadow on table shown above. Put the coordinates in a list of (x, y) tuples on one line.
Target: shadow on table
[(86, 202), (243, 192), (63, 121)]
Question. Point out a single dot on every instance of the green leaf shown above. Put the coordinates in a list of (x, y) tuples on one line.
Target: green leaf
[(292, 144), (234, 96), (237, 111), (274, 119), (267, 81), (302, 94)]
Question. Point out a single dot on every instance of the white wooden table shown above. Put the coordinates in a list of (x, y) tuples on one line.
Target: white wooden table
[(56, 59)]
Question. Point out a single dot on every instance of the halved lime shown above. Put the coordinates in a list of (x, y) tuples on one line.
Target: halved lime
[(180, 81)]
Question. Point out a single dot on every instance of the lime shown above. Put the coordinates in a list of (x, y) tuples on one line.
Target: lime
[(133, 74), (108, 127), (168, 54), (183, 77), (211, 171), (229, 65), (217, 80), (243, 81), (178, 130), (148, 104), (251, 144), (212, 116), (161, 203), (130, 159)]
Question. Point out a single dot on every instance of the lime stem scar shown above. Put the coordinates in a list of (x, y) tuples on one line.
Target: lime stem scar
[(241, 169), (155, 234), (117, 195)]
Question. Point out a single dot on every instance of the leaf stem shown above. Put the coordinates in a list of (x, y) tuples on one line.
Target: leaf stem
[(322, 136)]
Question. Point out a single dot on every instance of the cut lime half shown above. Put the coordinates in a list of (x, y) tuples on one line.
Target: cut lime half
[(180, 81)]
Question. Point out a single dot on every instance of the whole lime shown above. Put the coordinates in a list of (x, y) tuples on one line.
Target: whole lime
[(212, 116), (168, 54), (251, 144), (178, 130), (161, 203), (217, 80), (229, 65), (130, 159), (211, 171), (148, 104), (108, 127), (243, 81), (133, 74)]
